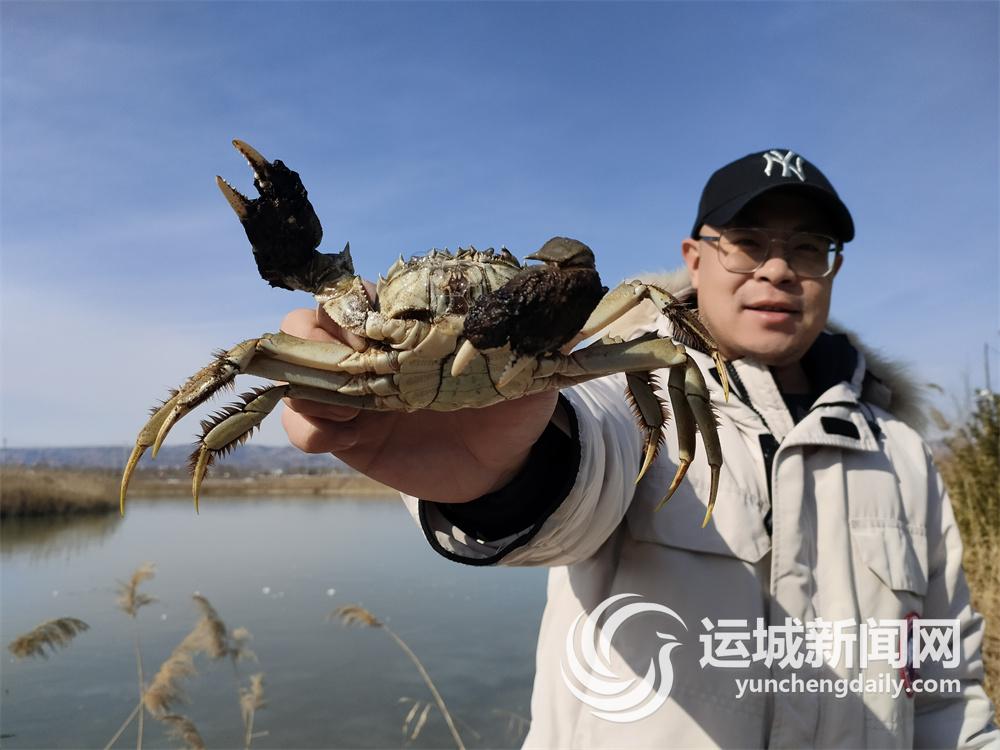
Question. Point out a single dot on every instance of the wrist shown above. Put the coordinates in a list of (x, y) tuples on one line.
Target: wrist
[(559, 420)]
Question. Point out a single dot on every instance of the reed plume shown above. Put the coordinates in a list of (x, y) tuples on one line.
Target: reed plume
[(251, 701), (238, 650), (51, 634), (353, 614), (208, 636), (130, 599), (165, 690), (182, 728)]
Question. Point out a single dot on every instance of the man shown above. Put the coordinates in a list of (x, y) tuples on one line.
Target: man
[(829, 510)]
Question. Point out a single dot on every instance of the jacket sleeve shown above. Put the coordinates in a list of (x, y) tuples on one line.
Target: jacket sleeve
[(566, 503), (963, 719)]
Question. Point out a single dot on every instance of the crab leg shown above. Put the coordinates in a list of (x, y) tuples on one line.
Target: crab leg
[(234, 424), (628, 295), (230, 427), (696, 395), (688, 391), (614, 305), (685, 424), (147, 435), (649, 412), (606, 357), (196, 390)]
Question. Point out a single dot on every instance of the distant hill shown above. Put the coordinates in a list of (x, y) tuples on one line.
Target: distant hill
[(247, 458)]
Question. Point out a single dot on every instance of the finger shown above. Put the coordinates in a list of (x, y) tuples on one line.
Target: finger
[(311, 435), (332, 412), (302, 323), (323, 322)]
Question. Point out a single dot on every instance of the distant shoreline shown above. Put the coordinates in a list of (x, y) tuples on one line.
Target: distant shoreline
[(38, 491)]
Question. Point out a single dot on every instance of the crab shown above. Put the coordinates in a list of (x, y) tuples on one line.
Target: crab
[(414, 352)]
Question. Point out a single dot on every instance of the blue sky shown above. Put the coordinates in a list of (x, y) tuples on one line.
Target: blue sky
[(417, 125)]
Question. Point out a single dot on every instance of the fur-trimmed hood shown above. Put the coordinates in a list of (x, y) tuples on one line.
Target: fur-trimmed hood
[(891, 386)]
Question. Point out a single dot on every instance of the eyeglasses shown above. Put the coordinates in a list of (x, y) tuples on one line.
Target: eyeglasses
[(745, 250)]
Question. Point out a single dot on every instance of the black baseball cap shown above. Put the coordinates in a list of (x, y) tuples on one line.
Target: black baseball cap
[(731, 187)]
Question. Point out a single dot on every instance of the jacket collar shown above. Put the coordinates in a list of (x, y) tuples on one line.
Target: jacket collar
[(838, 417)]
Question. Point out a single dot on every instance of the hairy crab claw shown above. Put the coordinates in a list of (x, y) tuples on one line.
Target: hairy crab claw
[(282, 226)]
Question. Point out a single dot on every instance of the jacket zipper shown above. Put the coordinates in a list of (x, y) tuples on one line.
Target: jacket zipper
[(768, 443)]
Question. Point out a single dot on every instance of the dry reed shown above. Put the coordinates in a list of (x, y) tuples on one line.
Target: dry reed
[(26, 491), (970, 466), (411, 729), (238, 649), (51, 634), (165, 690), (517, 725), (208, 636), (353, 614), (37, 491), (130, 599), (251, 701), (182, 728)]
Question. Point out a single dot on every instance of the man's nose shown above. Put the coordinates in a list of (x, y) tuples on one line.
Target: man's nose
[(776, 268)]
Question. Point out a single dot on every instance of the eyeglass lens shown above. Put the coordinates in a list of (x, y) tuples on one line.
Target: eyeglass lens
[(746, 250)]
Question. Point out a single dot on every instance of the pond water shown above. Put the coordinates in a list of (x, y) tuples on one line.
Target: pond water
[(278, 568)]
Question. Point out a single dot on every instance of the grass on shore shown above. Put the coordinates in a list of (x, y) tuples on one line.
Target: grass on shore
[(35, 491), (970, 466)]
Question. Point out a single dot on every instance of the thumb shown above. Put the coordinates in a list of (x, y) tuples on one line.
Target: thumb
[(328, 324)]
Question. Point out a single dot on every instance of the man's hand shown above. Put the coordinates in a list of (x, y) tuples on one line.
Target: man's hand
[(451, 456)]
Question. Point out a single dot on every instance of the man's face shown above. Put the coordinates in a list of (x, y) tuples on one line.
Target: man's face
[(731, 303)]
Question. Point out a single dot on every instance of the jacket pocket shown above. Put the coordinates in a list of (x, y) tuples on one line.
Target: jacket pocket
[(735, 530), (895, 552)]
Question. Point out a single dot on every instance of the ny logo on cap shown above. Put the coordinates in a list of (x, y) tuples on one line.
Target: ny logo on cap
[(774, 156)]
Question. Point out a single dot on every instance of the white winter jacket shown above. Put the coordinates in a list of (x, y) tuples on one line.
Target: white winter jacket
[(852, 523)]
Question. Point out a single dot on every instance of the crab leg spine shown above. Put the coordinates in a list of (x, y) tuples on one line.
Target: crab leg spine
[(197, 389), (205, 383), (649, 411), (689, 323), (232, 426)]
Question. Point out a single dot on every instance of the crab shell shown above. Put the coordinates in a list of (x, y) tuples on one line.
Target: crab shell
[(432, 286)]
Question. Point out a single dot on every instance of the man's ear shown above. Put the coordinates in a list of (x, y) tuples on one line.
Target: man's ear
[(691, 251)]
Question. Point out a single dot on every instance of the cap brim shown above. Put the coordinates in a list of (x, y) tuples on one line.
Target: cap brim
[(843, 224)]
